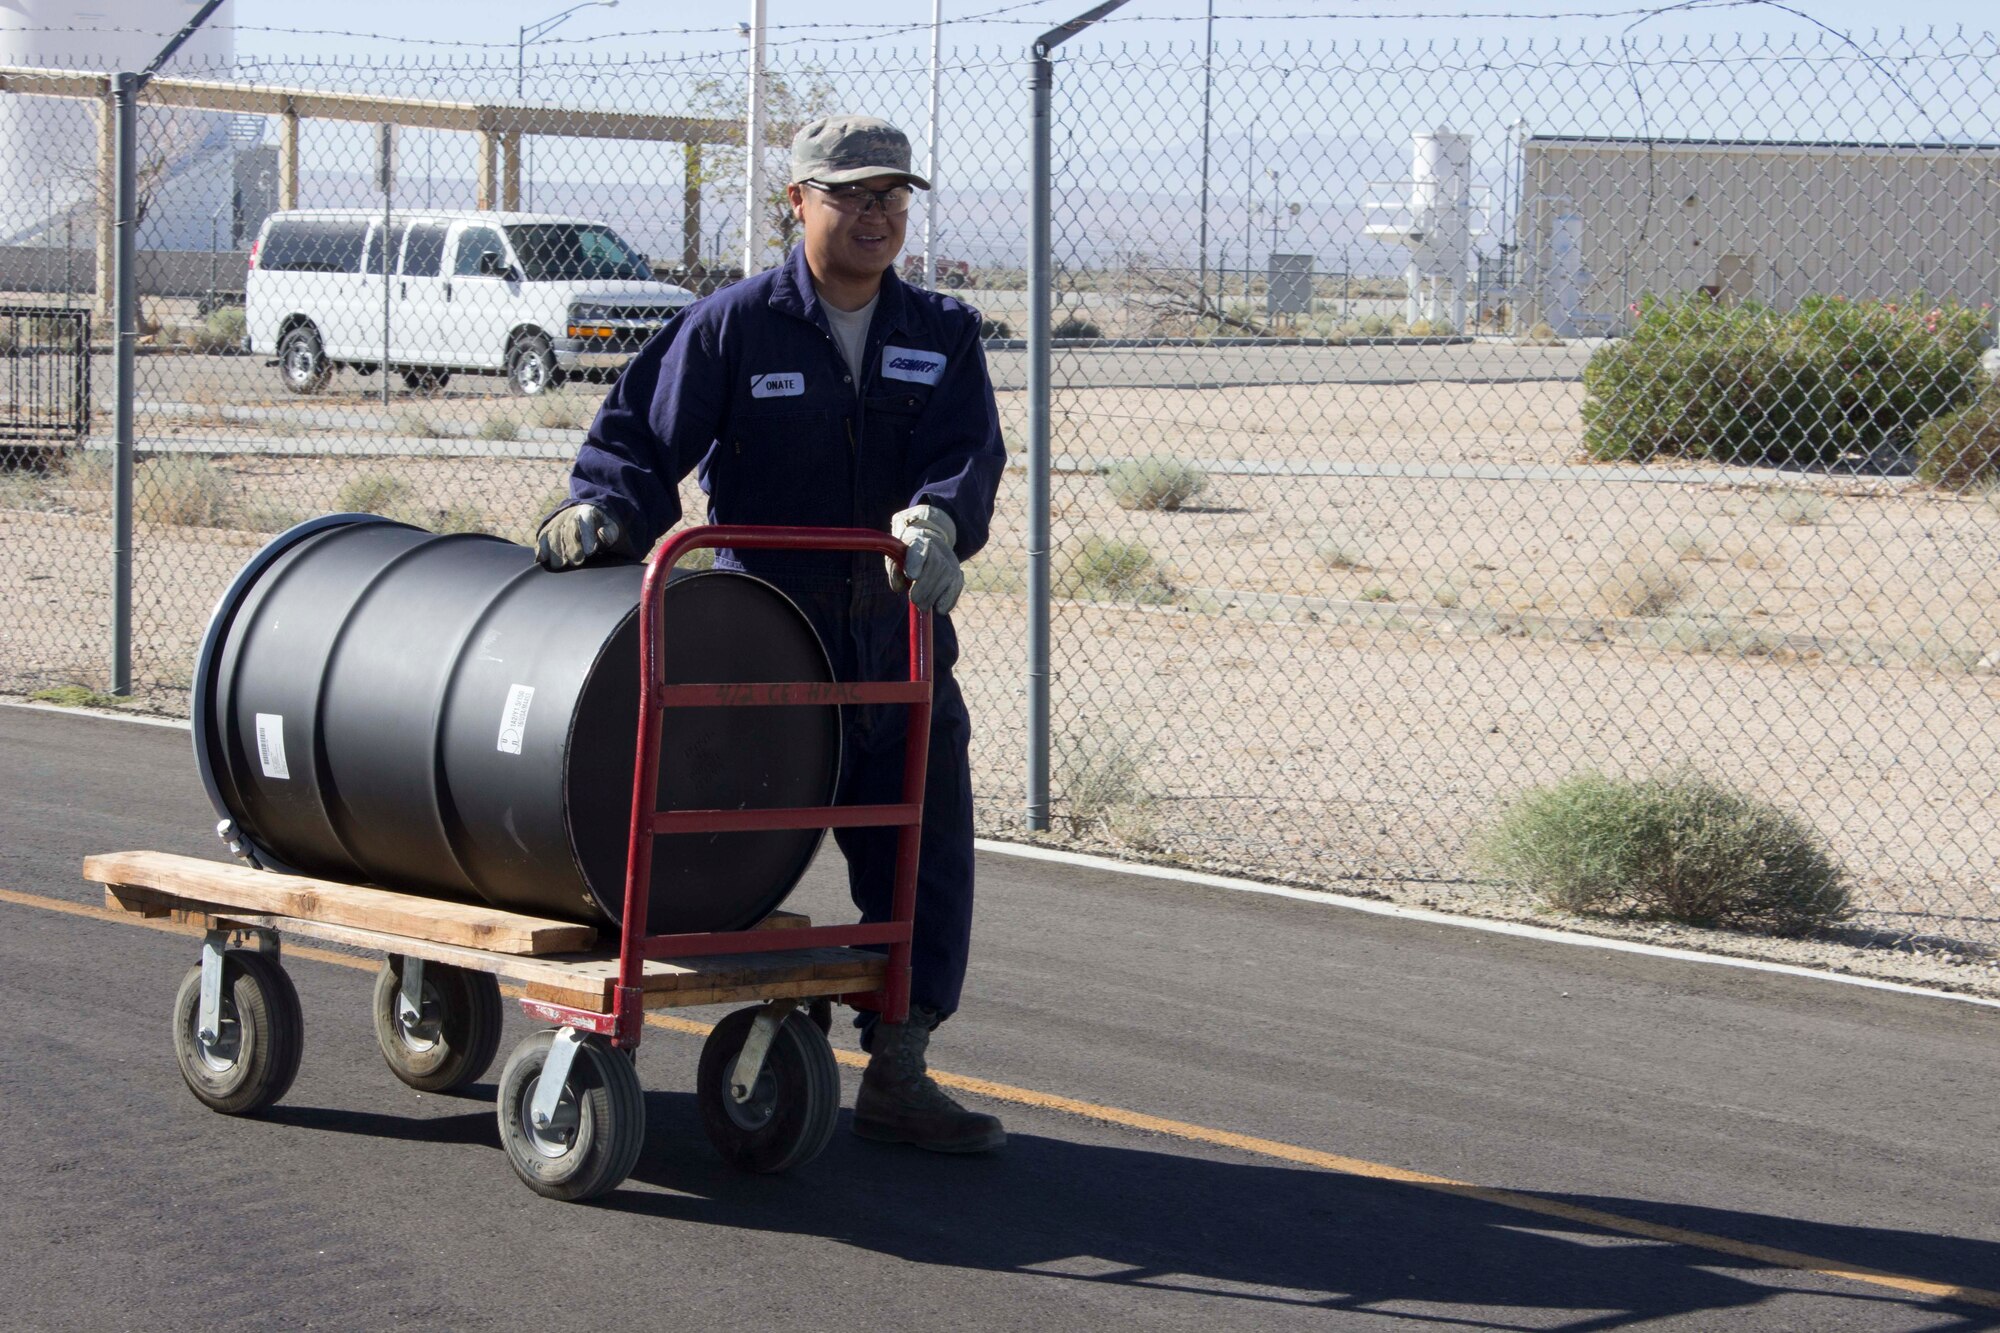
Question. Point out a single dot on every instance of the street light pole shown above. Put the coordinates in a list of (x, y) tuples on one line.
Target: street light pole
[(534, 32)]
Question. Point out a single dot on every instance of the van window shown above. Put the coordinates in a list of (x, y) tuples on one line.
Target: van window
[(423, 253), (372, 262), (474, 242), (311, 245), (566, 252)]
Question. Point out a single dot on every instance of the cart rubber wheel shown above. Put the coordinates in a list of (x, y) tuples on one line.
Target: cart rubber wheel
[(454, 1042), (599, 1145), (793, 1108), (256, 1055)]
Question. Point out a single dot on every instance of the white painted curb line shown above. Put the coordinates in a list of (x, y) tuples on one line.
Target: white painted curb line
[(1372, 906), (1520, 930), (175, 723)]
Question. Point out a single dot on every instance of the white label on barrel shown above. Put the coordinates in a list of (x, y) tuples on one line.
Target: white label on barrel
[(271, 745), (514, 718)]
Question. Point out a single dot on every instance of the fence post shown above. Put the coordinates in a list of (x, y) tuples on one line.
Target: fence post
[(1039, 325), (1041, 282), (125, 314)]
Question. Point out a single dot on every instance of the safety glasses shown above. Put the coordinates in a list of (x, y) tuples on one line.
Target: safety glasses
[(857, 198)]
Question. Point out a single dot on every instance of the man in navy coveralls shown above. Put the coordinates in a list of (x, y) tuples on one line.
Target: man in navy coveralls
[(826, 393)]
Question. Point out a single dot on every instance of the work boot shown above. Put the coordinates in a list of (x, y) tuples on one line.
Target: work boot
[(899, 1102)]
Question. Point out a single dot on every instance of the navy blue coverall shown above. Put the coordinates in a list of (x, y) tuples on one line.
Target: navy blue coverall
[(748, 387)]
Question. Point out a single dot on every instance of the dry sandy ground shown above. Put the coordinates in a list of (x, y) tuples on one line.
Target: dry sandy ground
[(1331, 680)]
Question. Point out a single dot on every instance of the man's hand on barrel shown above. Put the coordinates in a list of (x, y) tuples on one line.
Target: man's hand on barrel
[(930, 567), (572, 536)]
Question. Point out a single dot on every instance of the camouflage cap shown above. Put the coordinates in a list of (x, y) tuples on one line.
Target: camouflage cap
[(839, 149)]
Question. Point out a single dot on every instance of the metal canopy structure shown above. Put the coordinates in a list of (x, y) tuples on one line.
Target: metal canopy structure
[(500, 130)]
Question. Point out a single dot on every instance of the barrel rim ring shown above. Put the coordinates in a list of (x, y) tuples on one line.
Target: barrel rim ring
[(201, 706)]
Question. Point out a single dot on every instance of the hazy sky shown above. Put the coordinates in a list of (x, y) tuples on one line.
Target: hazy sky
[(675, 26)]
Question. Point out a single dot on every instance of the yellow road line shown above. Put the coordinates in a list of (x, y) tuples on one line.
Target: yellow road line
[(1247, 1143)]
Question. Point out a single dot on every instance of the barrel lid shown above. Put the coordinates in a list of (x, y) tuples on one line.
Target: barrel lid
[(203, 709)]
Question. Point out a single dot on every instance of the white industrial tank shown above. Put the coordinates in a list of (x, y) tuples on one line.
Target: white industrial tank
[(49, 145), (1436, 223)]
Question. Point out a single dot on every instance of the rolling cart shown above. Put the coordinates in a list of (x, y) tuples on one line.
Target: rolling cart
[(570, 1109)]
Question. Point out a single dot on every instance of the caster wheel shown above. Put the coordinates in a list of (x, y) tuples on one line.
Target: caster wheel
[(791, 1111), (453, 1040), (255, 1056), (599, 1127)]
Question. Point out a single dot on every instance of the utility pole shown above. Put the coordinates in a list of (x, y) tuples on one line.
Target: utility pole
[(1207, 84), (753, 146), (1249, 202)]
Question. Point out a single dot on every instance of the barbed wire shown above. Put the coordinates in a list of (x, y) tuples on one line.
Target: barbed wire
[(860, 32)]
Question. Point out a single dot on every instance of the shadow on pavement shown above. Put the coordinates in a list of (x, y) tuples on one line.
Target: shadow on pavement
[(1274, 1235), (1262, 1235)]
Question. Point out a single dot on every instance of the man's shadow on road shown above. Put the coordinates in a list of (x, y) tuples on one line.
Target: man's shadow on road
[(1269, 1234), (1260, 1235)]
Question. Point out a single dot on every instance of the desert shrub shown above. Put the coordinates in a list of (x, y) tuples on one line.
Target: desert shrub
[(1100, 787), (1641, 586), (1746, 384), (1074, 327), (1340, 551), (1673, 846), (564, 412), (500, 428), (1962, 449), (185, 492), (374, 493), (456, 518), (1374, 326), (1724, 636), (1100, 567), (1797, 508), (78, 696), (222, 331), (1154, 483), (996, 328), (420, 425)]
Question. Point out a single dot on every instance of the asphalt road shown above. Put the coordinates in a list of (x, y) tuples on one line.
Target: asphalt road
[(1854, 1128)]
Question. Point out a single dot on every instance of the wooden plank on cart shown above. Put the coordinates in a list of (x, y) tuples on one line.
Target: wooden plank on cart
[(586, 983), (146, 882)]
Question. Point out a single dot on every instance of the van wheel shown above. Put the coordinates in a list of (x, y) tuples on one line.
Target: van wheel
[(956, 280), (302, 362), (425, 381), (531, 366)]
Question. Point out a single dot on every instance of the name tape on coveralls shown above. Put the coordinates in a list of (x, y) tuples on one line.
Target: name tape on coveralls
[(907, 363), (785, 384)]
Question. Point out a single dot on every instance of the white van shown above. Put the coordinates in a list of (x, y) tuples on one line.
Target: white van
[(533, 296)]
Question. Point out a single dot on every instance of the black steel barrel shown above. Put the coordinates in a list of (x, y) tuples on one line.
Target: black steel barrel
[(378, 704)]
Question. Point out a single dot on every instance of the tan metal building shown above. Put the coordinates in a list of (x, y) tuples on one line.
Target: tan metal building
[(1603, 221)]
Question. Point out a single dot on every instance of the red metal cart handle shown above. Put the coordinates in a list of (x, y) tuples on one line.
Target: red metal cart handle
[(655, 696)]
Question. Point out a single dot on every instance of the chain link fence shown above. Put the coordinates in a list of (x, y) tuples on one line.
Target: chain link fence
[(1429, 423)]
